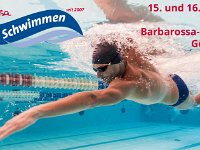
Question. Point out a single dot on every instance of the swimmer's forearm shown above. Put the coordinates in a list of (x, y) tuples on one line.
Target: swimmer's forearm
[(110, 3), (116, 10), (79, 101), (67, 105), (119, 11)]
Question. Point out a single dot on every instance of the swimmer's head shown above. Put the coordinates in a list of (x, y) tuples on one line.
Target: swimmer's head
[(108, 62)]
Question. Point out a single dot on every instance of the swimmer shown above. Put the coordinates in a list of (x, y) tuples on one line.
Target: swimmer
[(119, 11), (133, 78)]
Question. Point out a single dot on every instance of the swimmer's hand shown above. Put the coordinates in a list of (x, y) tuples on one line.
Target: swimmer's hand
[(68, 105), (18, 122)]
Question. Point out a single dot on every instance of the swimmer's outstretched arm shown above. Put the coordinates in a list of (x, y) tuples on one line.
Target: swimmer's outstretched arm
[(119, 11), (68, 105)]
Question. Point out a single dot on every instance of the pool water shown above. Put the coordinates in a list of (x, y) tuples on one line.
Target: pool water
[(112, 130), (124, 126)]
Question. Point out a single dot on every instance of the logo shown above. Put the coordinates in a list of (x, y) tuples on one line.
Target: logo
[(4, 13), (14, 31)]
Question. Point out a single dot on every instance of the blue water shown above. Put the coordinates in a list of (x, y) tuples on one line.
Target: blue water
[(123, 126), (127, 125)]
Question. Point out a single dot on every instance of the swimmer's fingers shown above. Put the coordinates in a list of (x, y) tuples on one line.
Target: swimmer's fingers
[(6, 130), (17, 123)]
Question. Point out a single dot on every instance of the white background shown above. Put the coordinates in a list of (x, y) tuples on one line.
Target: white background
[(92, 12)]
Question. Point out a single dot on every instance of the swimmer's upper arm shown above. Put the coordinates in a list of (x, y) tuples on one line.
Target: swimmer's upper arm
[(120, 11), (116, 10), (112, 95)]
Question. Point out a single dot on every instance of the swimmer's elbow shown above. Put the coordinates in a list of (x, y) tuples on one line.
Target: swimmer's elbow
[(106, 97), (110, 98)]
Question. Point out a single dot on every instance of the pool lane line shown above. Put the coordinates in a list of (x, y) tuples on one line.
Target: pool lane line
[(119, 140), (189, 146)]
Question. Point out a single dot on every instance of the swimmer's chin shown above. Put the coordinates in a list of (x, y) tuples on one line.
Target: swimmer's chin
[(107, 79)]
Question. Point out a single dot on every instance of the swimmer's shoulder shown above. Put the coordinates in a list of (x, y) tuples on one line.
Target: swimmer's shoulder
[(124, 83)]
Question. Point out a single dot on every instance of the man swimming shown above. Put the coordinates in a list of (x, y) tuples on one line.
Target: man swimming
[(132, 78), (129, 75)]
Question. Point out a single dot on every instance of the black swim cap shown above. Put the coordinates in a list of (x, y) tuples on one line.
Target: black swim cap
[(106, 53)]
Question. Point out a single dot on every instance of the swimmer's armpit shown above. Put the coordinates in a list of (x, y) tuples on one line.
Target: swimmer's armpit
[(119, 11)]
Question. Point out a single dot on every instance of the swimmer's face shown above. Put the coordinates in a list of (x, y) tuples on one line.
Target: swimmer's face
[(106, 72)]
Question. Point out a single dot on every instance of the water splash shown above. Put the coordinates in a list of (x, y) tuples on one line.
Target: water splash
[(178, 57)]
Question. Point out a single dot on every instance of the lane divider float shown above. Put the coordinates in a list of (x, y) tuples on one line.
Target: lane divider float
[(28, 80)]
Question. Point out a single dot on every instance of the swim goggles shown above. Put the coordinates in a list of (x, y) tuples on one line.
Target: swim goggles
[(103, 68)]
